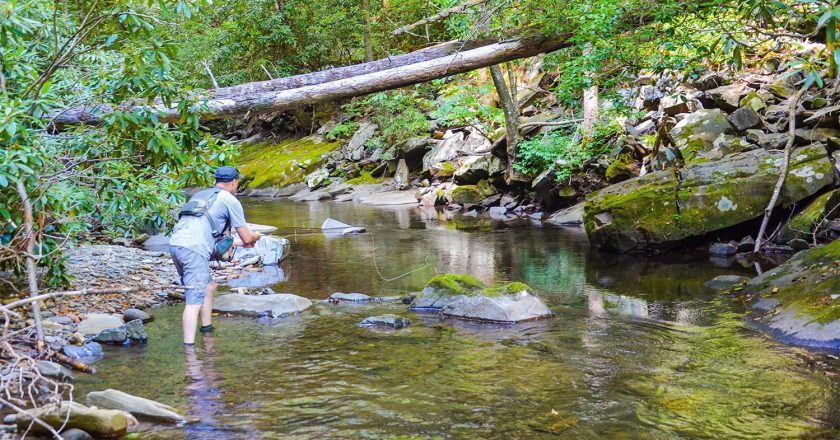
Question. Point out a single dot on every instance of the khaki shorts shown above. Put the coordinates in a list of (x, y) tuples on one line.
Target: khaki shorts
[(194, 271)]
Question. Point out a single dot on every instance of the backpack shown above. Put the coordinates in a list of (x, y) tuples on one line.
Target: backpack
[(199, 206)]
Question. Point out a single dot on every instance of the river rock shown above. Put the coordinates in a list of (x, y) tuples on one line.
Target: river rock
[(797, 302), (75, 434), (453, 144), (95, 323), (269, 250), (89, 350), (317, 179), (276, 305), (728, 97), (142, 409), (95, 421), (389, 198), (132, 314), (467, 195), (819, 211), (723, 249), (642, 212), (350, 297), (571, 216), (54, 370), (744, 118), (444, 289), (393, 321), (474, 169), (355, 149), (130, 332), (506, 308), (696, 133), (721, 282)]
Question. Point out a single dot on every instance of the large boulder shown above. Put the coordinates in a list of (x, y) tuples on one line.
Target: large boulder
[(455, 144), (275, 305), (696, 133), (142, 409), (643, 212), (270, 250), (797, 302), (476, 168), (95, 421), (571, 216)]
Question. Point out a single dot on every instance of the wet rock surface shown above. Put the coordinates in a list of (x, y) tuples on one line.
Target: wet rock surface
[(272, 305), (142, 409), (392, 321)]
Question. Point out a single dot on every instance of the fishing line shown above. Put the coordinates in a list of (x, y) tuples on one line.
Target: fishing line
[(376, 266)]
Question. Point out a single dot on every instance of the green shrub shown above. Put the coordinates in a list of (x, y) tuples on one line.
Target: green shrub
[(398, 113)]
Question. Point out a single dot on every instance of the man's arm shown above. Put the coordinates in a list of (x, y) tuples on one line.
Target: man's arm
[(237, 221), (248, 236)]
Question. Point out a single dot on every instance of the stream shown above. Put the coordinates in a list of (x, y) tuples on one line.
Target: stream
[(639, 348)]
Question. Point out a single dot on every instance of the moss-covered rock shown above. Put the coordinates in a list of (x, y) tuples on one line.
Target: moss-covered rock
[(464, 296), (467, 195), (622, 169), (655, 210), (797, 301), (285, 162), (696, 133), (823, 208)]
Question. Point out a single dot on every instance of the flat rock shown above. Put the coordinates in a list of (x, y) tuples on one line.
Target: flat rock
[(350, 297), (95, 323), (390, 198), (721, 282), (393, 321), (571, 216), (143, 409), (262, 229), (54, 370), (511, 308), (274, 305), (95, 421)]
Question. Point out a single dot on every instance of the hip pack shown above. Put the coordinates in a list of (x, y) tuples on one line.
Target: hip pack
[(199, 206)]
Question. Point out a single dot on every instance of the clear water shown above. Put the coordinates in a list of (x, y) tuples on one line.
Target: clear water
[(639, 348)]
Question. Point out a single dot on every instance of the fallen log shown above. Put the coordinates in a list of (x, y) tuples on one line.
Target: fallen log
[(247, 101)]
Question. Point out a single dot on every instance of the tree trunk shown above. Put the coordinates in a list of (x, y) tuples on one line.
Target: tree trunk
[(590, 110), (511, 119), (249, 99), (439, 16), (367, 36)]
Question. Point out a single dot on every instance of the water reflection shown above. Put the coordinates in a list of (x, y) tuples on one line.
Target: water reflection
[(203, 391)]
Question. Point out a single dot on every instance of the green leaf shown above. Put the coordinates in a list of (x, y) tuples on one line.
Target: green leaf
[(4, 182), (824, 18), (111, 40)]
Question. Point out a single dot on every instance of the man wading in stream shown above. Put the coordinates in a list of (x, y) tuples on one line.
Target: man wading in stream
[(193, 242)]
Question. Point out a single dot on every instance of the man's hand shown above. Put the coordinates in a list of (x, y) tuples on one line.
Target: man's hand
[(249, 238)]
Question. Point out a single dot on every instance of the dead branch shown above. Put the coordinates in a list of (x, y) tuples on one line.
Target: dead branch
[(439, 16), (31, 273), (777, 190)]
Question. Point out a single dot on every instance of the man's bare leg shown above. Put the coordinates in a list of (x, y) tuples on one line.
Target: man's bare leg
[(207, 307), (190, 317)]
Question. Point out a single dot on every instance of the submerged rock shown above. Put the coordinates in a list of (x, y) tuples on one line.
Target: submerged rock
[(275, 305), (95, 421), (143, 409), (643, 212), (721, 282), (393, 321), (350, 297), (89, 350), (798, 301)]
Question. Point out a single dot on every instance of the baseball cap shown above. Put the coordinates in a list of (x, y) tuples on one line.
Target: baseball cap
[(227, 174)]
